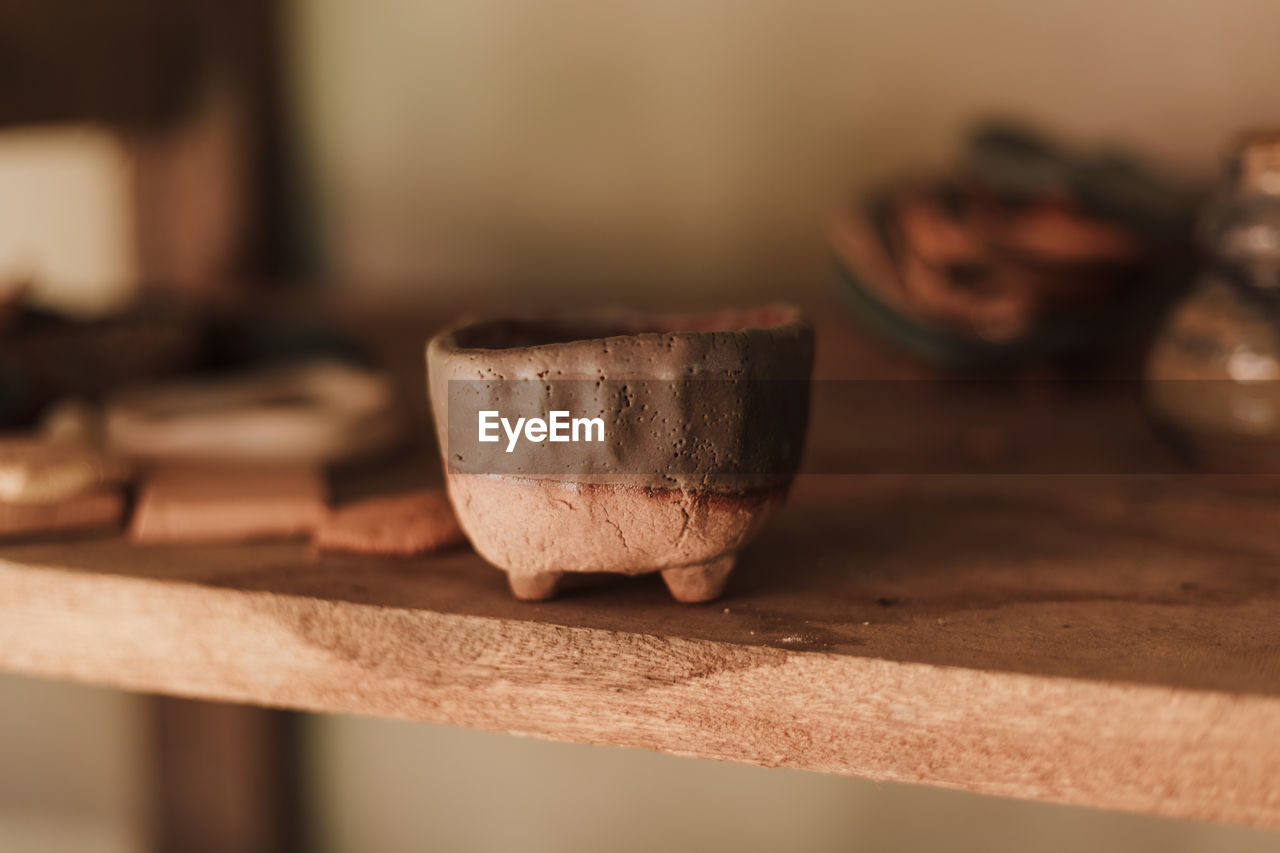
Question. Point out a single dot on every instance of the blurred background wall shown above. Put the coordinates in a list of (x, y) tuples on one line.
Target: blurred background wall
[(674, 143), (73, 769), (613, 151)]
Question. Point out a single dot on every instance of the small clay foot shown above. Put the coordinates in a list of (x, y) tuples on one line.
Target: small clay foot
[(703, 582), (534, 587)]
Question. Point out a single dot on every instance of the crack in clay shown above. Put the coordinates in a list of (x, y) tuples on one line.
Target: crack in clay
[(684, 522), (626, 546)]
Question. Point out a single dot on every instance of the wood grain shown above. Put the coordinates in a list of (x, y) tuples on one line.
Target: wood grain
[(1090, 641), (1111, 641)]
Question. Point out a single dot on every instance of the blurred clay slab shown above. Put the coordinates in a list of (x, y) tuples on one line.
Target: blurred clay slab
[(189, 503), (36, 470), (399, 525), (92, 511)]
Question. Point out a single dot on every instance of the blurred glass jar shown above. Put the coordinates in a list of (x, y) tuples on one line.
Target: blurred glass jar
[(1213, 369)]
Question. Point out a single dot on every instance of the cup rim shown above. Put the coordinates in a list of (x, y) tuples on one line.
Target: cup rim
[(551, 332)]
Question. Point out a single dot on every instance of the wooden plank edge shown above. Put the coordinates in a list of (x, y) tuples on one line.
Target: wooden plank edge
[(1174, 752)]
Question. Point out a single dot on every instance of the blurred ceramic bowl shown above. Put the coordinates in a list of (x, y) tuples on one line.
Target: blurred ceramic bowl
[(1023, 251)]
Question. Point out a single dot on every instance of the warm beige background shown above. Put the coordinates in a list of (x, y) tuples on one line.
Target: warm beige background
[(73, 775), (661, 144), (672, 142), (66, 216)]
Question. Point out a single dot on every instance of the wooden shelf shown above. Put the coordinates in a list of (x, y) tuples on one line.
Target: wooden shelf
[(1098, 641), (1109, 641)]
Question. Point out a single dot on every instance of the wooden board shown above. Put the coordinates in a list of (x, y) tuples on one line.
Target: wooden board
[(1111, 641), (1099, 641)]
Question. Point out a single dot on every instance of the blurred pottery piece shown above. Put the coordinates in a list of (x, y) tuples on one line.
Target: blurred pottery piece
[(47, 357), (96, 511), (36, 469), (1214, 370), (54, 487), (1020, 252), (1213, 380), (703, 420), (397, 525), (199, 503), (311, 412)]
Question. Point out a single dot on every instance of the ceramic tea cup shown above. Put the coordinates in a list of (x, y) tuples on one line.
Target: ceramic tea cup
[(620, 442)]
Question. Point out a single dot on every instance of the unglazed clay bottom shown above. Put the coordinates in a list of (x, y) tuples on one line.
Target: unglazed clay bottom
[(706, 416), (691, 537)]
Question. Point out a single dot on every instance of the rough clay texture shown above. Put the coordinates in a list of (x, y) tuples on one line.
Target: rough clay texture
[(531, 527), (191, 503), (688, 525), (102, 509), (403, 524)]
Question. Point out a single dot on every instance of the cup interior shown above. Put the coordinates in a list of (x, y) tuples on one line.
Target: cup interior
[(513, 334)]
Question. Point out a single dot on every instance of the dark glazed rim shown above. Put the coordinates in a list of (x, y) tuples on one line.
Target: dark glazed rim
[(772, 319)]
